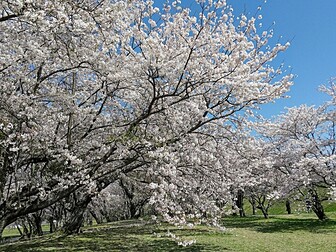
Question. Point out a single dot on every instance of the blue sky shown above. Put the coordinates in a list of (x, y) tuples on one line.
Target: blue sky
[(310, 26)]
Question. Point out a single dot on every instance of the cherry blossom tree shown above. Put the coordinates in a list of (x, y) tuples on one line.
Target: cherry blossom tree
[(253, 173), (305, 149), (93, 89)]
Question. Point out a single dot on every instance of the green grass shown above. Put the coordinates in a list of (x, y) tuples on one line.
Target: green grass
[(10, 232), (14, 232), (279, 207), (330, 206), (279, 233)]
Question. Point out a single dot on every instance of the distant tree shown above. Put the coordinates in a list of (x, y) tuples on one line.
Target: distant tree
[(304, 142)]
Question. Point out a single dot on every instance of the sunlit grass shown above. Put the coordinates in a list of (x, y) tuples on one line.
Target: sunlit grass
[(13, 232)]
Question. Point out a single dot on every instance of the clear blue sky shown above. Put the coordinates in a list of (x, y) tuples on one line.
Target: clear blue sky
[(310, 25)]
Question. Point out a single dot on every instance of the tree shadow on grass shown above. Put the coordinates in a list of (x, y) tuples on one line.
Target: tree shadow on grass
[(111, 238), (282, 224)]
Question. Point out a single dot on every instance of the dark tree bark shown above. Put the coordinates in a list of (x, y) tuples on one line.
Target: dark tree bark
[(133, 210), (76, 216), (253, 204), (27, 228), (264, 210), (288, 206), (240, 203), (4, 222), (128, 189), (9, 215), (52, 226), (317, 206), (19, 229), (95, 216), (135, 205), (37, 224), (2, 227), (263, 204)]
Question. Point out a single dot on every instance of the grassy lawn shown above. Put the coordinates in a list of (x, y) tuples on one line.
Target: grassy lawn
[(279, 233), (14, 232)]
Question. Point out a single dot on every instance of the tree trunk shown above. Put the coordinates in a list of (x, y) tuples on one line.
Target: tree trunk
[(318, 208), (27, 230), (19, 229), (2, 227), (264, 211), (288, 206), (240, 203), (95, 216), (52, 226), (76, 216), (253, 204), (133, 209), (37, 224)]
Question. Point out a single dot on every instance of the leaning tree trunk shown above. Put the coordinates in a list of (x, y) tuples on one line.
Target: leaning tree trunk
[(263, 205), (2, 226), (5, 220), (96, 217), (264, 211), (76, 216), (75, 219), (317, 206)]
